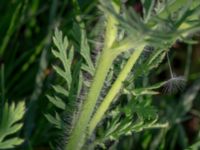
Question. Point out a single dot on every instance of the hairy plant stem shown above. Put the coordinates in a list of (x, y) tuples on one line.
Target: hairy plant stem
[(79, 131), (114, 89), (170, 67), (107, 57)]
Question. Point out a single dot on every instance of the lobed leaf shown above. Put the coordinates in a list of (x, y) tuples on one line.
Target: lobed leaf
[(59, 89), (57, 121), (58, 102), (10, 124)]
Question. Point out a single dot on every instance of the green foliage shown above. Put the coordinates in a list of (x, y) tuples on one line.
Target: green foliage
[(194, 146), (72, 77), (135, 116), (105, 88), (11, 115), (57, 121), (85, 52), (11, 29), (66, 58), (155, 30), (149, 90)]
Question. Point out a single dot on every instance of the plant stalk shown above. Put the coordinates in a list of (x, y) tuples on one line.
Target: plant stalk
[(107, 57), (170, 67), (80, 129), (114, 89)]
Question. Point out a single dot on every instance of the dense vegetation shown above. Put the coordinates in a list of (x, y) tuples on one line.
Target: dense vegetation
[(99, 74)]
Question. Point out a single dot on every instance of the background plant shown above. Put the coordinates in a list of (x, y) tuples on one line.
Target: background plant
[(136, 94)]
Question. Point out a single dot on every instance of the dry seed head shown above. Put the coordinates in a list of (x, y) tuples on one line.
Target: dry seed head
[(174, 84)]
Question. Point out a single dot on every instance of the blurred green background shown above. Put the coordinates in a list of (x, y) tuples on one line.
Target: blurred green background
[(26, 28)]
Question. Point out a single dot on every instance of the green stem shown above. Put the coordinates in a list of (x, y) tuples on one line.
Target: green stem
[(2, 85), (114, 89), (11, 29), (188, 61), (107, 57), (170, 67), (79, 131), (2, 102)]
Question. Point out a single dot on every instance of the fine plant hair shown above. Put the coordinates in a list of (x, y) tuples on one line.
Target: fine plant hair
[(175, 83), (160, 26)]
